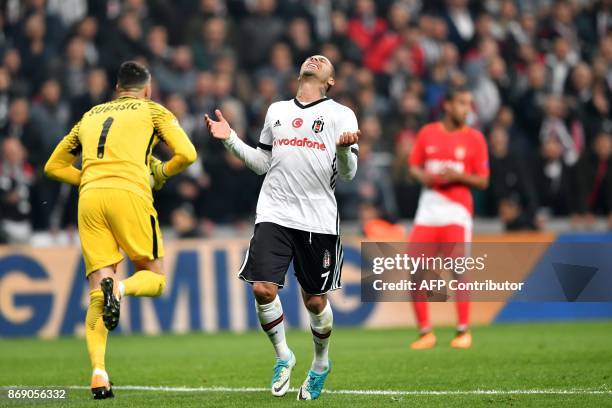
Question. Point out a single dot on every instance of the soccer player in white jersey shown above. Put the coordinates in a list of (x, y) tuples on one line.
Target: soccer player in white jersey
[(305, 144)]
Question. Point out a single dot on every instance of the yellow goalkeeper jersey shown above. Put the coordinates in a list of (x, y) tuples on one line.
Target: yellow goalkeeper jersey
[(115, 140)]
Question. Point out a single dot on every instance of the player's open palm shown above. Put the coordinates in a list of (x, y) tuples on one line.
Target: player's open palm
[(220, 129), (349, 138)]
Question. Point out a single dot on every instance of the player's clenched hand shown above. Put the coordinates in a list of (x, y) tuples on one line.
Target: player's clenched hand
[(448, 176), (157, 173), (349, 138), (429, 179), (220, 129)]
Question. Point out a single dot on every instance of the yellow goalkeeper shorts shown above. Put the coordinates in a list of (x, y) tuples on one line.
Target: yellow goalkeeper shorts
[(110, 219)]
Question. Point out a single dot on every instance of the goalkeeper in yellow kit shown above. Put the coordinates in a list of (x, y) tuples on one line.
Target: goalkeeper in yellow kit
[(115, 140)]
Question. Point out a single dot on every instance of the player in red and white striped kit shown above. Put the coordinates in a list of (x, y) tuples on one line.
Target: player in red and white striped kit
[(448, 159)]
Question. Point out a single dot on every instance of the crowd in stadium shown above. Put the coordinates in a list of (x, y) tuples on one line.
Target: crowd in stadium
[(540, 72)]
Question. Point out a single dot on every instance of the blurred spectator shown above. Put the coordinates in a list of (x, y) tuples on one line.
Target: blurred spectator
[(55, 29), (97, 92), (206, 10), (348, 47), (406, 189), (487, 89), (16, 179), (177, 76), (202, 100), (559, 63), (69, 11), (157, 41), (259, 31), (511, 193), (298, 33), (594, 180), (50, 115), (123, 43), (554, 179), (5, 95), (222, 168), (530, 105), (72, 70), (281, 68), (461, 27), (554, 126), (87, 30), (370, 186), (211, 45), (365, 27), (19, 126), (12, 62), (35, 52)]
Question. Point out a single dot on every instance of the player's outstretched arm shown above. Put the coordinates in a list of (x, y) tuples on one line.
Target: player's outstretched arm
[(347, 154), (60, 165), (257, 160)]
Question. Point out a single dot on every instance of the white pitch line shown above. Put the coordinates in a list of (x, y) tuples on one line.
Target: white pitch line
[(571, 391)]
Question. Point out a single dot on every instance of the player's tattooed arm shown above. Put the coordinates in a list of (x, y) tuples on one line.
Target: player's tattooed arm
[(257, 160), (347, 153)]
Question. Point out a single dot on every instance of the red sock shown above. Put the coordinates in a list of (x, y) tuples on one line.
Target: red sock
[(421, 310), (463, 315)]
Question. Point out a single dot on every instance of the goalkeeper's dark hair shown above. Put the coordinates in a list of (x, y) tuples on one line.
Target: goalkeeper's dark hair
[(132, 75)]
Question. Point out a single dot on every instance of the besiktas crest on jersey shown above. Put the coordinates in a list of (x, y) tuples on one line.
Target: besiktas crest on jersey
[(317, 125), (297, 192)]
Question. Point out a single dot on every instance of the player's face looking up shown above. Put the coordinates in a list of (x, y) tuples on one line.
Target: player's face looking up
[(318, 67), (458, 107)]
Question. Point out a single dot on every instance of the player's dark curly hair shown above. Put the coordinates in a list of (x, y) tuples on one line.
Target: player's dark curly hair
[(454, 91), (132, 74)]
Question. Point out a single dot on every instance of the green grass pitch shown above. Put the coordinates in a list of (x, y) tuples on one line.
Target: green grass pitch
[(558, 364)]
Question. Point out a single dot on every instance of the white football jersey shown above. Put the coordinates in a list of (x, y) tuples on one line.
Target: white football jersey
[(298, 191)]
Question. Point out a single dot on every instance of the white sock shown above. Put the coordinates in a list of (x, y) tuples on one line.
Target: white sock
[(100, 372), (271, 318), (321, 326)]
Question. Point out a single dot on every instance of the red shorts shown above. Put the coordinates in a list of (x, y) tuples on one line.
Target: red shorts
[(428, 235), (442, 233)]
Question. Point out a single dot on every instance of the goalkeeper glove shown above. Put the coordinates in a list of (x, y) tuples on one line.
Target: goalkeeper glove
[(158, 177)]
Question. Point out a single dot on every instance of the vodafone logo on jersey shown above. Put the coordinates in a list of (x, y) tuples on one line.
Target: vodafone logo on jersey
[(300, 142), (297, 122)]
